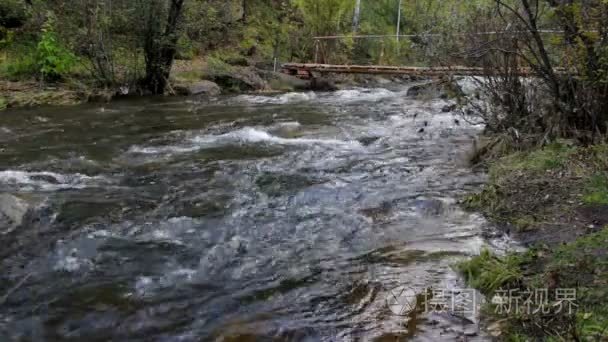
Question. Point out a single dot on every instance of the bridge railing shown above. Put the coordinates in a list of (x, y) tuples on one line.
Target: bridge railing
[(425, 50)]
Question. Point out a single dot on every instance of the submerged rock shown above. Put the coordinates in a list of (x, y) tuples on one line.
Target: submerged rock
[(430, 207), (449, 108), (366, 141)]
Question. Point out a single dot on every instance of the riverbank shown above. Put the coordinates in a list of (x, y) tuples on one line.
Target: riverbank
[(204, 78), (555, 201)]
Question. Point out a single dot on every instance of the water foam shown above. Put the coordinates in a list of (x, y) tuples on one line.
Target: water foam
[(281, 99), (162, 149), (48, 180), (254, 135), (356, 95)]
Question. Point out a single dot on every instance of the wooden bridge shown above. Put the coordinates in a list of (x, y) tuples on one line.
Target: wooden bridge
[(308, 71)]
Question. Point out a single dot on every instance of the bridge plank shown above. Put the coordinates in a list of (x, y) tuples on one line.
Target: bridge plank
[(306, 70)]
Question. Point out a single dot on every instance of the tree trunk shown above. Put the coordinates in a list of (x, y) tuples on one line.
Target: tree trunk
[(160, 48), (357, 16)]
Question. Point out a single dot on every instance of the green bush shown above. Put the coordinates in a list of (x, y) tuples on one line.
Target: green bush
[(217, 67), (53, 60), (185, 49)]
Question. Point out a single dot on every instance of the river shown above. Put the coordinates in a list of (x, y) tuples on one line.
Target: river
[(247, 218)]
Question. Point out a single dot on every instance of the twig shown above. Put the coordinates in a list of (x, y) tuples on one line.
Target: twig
[(14, 288)]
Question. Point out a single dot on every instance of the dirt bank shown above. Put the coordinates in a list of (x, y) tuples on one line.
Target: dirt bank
[(555, 201)]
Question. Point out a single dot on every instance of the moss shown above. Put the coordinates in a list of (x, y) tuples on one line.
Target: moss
[(3, 103)]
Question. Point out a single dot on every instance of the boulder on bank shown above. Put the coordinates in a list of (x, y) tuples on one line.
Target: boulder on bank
[(203, 88), (239, 79), (322, 84), (283, 82)]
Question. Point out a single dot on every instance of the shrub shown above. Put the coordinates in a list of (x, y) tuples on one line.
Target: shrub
[(217, 67), (53, 60)]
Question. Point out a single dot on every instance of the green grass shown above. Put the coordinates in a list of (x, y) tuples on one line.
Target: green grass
[(581, 264), (217, 67), (189, 76), (488, 272), (596, 191), (19, 63), (550, 157)]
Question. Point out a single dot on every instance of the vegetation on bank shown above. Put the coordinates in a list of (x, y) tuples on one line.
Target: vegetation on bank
[(546, 154), (554, 200), (546, 151), (120, 46), (578, 270)]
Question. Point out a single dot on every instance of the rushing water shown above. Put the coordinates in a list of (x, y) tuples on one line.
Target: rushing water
[(249, 218)]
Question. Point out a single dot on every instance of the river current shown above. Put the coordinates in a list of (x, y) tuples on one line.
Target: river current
[(247, 218)]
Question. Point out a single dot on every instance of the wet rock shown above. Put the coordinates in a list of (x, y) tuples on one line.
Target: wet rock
[(284, 82), (431, 207), (45, 178), (276, 184), (13, 213), (322, 84), (214, 206), (379, 212), (100, 96), (449, 108), (206, 88), (471, 331), (75, 212), (366, 141)]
